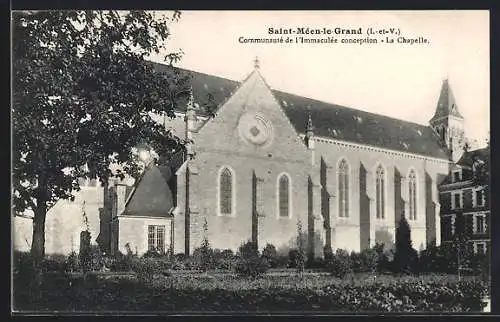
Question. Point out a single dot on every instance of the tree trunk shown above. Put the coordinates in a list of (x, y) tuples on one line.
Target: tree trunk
[(38, 241), (38, 250)]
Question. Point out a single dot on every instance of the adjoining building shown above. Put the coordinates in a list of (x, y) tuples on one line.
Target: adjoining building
[(462, 193)]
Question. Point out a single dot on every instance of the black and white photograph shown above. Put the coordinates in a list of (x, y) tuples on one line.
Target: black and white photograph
[(250, 162)]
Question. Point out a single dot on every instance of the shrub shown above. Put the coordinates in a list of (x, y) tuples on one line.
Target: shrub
[(85, 251), (225, 259), (248, 250), (271, 255), (147, 268), (251, 267), (293, 254), (90, 260), (300, 259), (250, 264), (316, 263), (204, 258), (122, 263), (227, 253), (296, 259), (152, 253), (405, 256), (54, 263), (328, 252), (339, 265), (357, 265), (282, 261), (205, 253), (383, 258), (96, 258), (365, 261), (72, 263), (23, 269)]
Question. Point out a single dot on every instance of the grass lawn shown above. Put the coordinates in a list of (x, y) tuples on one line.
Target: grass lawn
[(226, 292)]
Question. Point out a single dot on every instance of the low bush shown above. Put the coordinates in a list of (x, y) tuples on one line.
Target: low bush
[(282, 261), (384, 258), (270, 254), (72, 263), (225, 259), (122, 263), (249, 263), (54, 263), (153, 253), (340, 264), (23, 269), (316, 264), (147, 268), (251, 267), (365, 261), (293, 255), (204, 257)]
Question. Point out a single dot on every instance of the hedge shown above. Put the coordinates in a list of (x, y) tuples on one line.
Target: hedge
[(172, 295)]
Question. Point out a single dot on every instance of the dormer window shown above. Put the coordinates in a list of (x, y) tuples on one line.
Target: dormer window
[(457, 175)]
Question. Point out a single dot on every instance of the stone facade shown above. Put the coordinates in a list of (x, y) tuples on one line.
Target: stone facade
[(256, 141)]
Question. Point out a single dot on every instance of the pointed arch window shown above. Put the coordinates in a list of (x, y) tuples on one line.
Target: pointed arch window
[(412, 194), (284, 196), (380, 190), (226, 192), (343, 173)]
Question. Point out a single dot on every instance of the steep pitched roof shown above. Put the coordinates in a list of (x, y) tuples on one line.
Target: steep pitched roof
[(446, 103), (469, 157), (329, 120), (153, 195)]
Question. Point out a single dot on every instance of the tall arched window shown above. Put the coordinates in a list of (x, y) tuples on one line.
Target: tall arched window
[(226, 192), (343, 172), (284, 196), (380, 190), (412, 194)]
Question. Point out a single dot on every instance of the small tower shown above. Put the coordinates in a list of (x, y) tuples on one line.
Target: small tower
[(448, 123), (190, 120)]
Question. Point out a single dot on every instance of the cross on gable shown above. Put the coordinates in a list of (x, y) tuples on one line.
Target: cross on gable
[(256, 63)]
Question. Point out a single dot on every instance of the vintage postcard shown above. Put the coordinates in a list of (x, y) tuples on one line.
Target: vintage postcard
[(283, 162)]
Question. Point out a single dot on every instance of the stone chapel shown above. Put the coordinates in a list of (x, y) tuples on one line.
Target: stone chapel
[(268, 160)]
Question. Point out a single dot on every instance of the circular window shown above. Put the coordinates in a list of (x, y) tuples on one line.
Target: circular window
[(255, 128)]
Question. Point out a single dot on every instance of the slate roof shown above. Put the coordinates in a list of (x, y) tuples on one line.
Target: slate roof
[(329, 120), (446, 103), (155, 192), (469, 157)]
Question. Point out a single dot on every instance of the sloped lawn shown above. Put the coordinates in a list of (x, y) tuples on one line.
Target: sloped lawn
[(205, 292)]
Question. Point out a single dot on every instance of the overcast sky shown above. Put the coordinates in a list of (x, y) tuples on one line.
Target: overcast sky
[(401, 81)]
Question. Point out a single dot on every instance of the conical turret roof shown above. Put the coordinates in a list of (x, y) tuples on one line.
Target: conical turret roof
[(446, 104)]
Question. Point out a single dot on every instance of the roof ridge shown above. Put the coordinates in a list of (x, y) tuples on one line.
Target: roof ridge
[(352, 108), (301, 96), (294, 106)]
